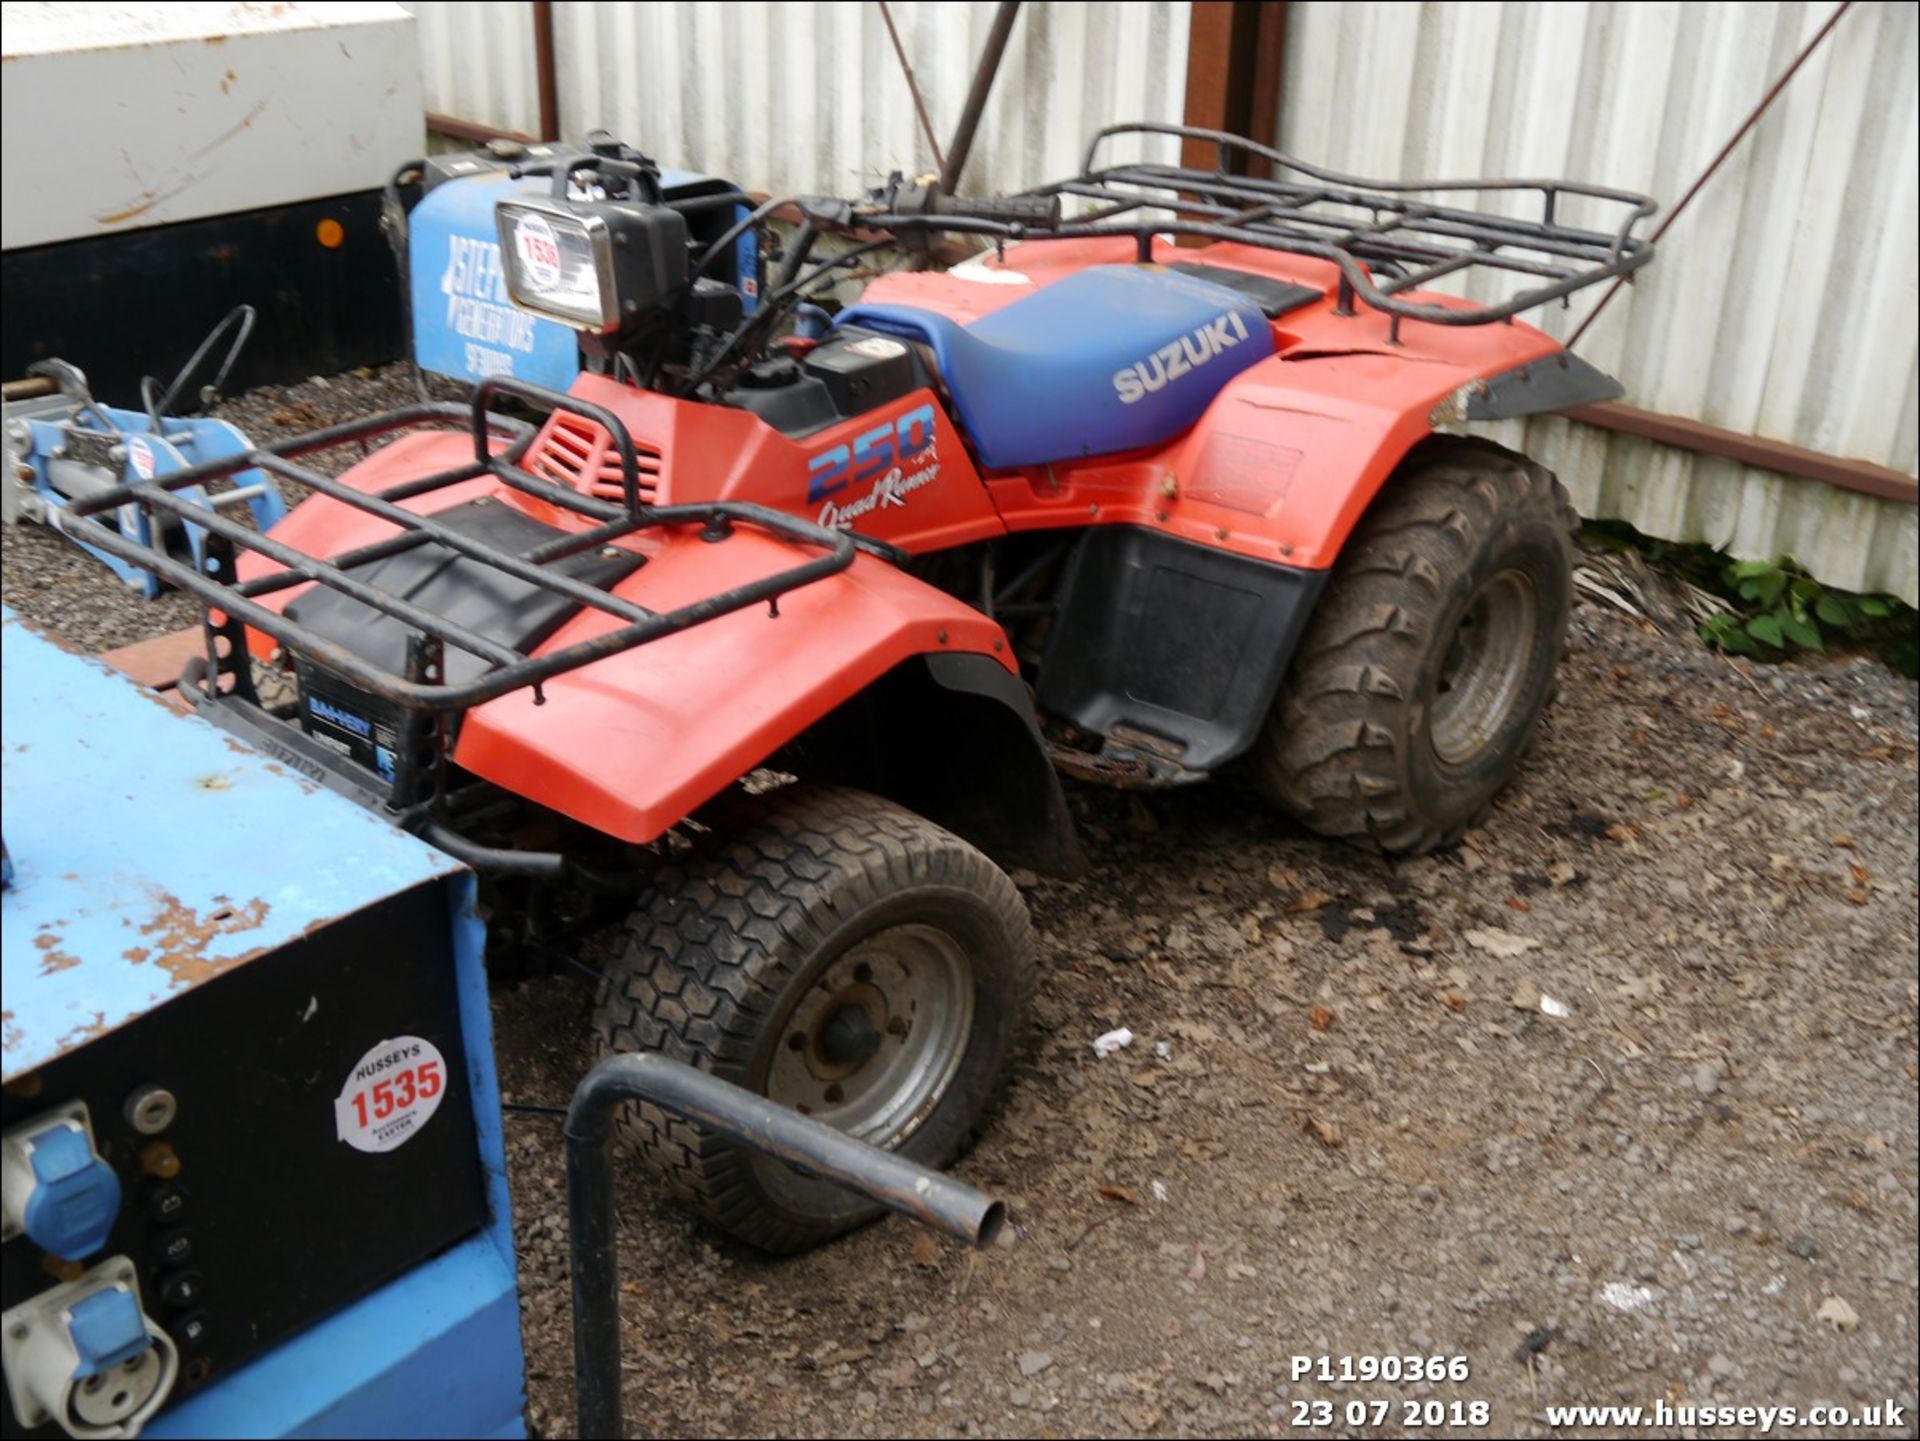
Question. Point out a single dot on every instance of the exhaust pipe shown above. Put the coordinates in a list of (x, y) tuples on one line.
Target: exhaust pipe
[(739, 1115)]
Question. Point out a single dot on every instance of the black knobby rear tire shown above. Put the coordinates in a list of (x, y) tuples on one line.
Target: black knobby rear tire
[(1431, 656), (800, 910)]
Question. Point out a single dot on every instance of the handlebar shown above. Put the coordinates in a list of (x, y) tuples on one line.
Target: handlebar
[(1042, 210), (902, 206)]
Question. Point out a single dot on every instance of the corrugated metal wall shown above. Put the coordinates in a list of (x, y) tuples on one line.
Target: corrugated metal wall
[(1782, 304), (476, 61), (807, 95)]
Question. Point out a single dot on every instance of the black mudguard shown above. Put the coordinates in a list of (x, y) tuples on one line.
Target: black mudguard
[(954, 738), (1177, 642), (1553, 383)]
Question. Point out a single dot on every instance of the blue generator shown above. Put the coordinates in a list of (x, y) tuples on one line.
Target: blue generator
[(250, 1140), (464, 325)]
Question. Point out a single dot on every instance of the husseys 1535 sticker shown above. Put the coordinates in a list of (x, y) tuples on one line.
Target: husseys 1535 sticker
[(391, 1092)]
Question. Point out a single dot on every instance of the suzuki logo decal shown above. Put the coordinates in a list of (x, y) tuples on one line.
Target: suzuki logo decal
[(1170, 362)]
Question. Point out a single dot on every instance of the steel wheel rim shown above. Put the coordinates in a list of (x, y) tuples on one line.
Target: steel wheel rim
[(1484, 670), (873, 1044)]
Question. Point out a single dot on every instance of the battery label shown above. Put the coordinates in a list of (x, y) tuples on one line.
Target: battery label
[(370, 740), (391, 1092)]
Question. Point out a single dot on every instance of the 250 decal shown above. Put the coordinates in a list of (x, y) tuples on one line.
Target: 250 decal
[(870, 455)]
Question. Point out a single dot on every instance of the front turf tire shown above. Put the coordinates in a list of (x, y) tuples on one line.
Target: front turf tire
[(1431, 657), (846, 957)]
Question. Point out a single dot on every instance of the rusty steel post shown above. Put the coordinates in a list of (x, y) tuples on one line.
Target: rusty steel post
[(545, 78), (1713, 166), (983, 75), (913, 89)]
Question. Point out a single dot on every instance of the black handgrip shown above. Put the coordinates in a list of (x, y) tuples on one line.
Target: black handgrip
[(1040, 210)]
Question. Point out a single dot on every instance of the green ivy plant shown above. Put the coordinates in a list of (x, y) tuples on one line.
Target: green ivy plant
[(1778, 608)]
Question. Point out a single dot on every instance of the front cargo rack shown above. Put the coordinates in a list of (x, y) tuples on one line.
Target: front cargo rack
[(426, 688), (1386, 237)]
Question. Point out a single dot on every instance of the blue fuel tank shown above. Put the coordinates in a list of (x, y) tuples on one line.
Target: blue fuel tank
[(464, 326)]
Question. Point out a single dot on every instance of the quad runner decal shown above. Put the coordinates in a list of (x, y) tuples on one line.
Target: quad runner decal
[(898, 457), (391, 1092)]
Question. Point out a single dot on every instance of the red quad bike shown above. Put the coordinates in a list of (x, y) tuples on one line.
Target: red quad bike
[(774, 635)]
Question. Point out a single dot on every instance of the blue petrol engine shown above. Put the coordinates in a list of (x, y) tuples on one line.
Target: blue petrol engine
[(254, 1180), (464, 325)]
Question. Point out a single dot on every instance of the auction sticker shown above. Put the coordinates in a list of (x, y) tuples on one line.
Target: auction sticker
[(538, 249), (141, 454), (390, 1094)]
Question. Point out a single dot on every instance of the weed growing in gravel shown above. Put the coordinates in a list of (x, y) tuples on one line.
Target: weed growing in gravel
[(1771, 609)]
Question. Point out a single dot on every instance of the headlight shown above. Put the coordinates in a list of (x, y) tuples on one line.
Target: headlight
[(559, 265), (598, 267)]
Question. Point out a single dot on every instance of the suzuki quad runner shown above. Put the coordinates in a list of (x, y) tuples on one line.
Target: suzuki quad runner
[(773, 633)]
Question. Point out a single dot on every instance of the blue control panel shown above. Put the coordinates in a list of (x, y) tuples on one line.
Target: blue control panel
[(217, 1194)]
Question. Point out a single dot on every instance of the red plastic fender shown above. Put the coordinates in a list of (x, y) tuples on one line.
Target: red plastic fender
[(631, 744), (1294, 449)]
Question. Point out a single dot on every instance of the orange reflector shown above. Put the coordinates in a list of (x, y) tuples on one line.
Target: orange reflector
[(330, 233)]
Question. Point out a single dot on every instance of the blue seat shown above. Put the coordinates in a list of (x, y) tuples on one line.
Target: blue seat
[(1110, 359)]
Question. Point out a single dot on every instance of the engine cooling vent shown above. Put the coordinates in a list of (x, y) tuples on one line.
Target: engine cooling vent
[(578, 452)]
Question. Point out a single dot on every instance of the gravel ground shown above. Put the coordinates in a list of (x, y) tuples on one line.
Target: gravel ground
[(1372, 1133), (1616, 1101)]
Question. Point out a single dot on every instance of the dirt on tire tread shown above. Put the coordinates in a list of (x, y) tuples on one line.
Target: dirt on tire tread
[(723, 928), (1329, 755)]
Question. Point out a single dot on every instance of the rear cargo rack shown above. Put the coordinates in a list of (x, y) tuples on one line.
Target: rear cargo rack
[(425, 689), (1386, 237)]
